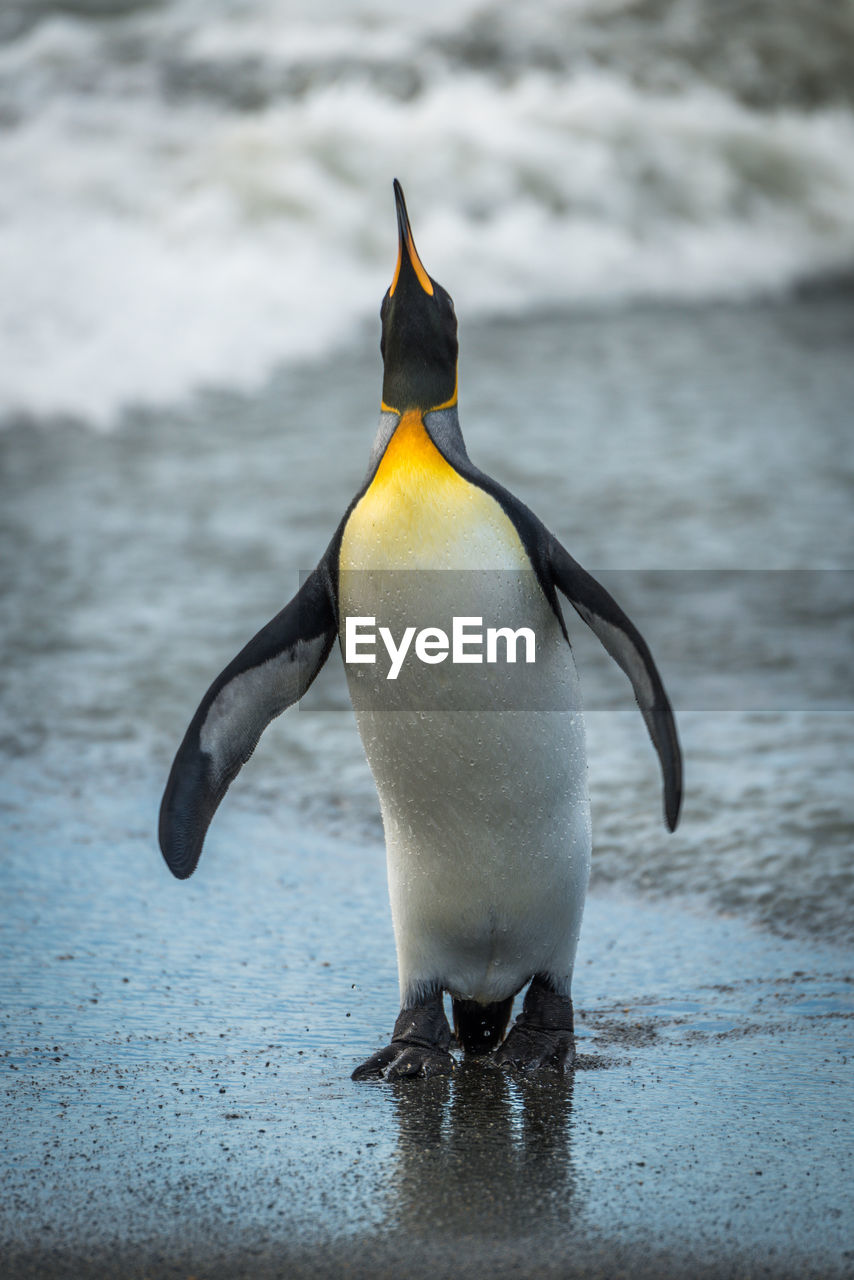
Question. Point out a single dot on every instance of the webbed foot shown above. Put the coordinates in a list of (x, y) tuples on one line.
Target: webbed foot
[(542, 1037), (419, 1045)]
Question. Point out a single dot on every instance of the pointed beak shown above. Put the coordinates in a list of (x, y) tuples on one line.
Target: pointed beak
[(406, 251)]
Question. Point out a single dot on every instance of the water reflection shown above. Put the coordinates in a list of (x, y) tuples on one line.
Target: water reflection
[(481, 1154)]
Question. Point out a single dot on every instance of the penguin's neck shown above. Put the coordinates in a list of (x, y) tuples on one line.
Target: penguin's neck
[(418, 512), (411, 468)]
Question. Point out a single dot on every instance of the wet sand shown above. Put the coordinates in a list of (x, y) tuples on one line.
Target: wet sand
[(177, 1097)]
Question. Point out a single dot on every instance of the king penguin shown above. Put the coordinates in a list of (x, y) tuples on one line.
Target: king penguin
[(481, 772)]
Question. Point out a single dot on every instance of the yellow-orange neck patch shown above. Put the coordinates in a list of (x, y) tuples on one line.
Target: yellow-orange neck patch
[(410, 449), (419, 513)]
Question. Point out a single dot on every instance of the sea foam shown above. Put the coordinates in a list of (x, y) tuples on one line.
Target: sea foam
[(191, 195)]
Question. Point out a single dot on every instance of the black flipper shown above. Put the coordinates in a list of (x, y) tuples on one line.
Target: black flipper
[(630, 651), (274, 669), (555, 567)]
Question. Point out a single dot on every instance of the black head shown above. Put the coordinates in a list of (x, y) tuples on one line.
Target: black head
[(419, 333)]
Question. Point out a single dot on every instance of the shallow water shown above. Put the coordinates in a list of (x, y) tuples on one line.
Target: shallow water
[(177, 1094)]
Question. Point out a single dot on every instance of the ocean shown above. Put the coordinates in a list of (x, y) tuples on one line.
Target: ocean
[(195, 191)]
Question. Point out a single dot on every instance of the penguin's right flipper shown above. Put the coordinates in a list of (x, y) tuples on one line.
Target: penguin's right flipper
[(630, 651), (274, 669)]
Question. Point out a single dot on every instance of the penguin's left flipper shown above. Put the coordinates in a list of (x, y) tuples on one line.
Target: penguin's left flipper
[(274, 669), (630, 651)]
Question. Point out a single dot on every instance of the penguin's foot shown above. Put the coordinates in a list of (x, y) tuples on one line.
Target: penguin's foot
[(419, 1045), (401, 1059), (542, 1037)]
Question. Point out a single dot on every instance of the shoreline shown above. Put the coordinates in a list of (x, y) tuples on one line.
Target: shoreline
[(704, 1130)]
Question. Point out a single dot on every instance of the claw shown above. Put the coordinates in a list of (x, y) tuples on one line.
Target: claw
[(418, 1060), (399, 1060), (376, 1064), (528, 1049)]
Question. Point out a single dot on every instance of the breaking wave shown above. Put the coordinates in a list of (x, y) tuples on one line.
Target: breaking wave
[(193, 192)]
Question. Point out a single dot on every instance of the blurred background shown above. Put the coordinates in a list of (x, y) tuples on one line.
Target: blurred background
[(195, 190)]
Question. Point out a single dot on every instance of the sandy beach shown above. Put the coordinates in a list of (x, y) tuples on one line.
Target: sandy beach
[(178, 1101)]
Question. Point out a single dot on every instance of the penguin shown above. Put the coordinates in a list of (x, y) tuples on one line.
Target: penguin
[(480, 768)]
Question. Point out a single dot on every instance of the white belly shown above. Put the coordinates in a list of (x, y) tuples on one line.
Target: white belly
[(485, 808), (488, 845), (481, 769)]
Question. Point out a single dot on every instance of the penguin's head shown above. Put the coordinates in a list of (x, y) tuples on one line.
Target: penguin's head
[(419, 331)]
